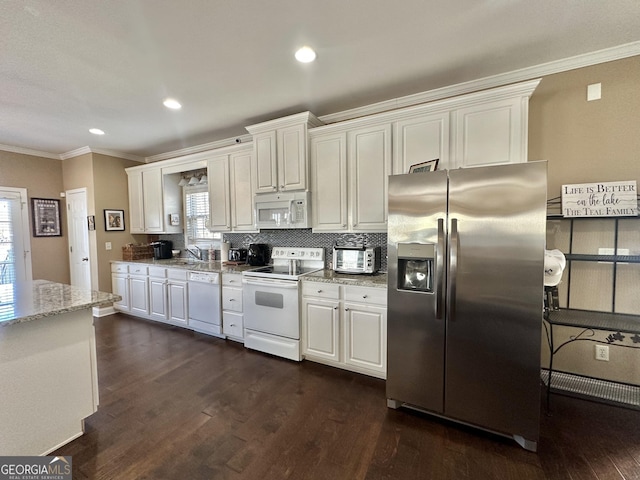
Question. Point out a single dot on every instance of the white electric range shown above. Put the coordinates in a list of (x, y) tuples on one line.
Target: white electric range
[(271, 301)]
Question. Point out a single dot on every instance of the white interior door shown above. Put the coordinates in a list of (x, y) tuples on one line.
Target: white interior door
[(79, 259), (15, 242)]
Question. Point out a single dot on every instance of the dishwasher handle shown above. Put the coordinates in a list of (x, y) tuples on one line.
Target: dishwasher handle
[(271, 283)]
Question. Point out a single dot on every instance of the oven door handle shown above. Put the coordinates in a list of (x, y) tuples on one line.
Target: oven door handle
[(271, 283)]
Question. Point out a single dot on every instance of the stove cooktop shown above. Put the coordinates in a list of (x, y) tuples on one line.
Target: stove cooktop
[(289, 263), (279, 271)]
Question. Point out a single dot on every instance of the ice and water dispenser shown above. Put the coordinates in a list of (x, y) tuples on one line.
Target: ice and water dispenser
[(416, 264)]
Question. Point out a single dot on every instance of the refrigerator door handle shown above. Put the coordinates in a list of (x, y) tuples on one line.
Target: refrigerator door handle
[(453, 268), (440, 271)]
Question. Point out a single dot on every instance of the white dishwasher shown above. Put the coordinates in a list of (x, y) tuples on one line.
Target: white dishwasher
[(204, 303)]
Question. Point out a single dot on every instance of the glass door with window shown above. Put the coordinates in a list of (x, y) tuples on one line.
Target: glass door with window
[(15, 258)]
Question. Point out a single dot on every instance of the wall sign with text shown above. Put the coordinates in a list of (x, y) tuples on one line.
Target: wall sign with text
[(604, 199)]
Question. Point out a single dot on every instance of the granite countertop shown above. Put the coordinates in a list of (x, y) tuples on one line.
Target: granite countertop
[(191, 264), (25, 301), (329, 276)]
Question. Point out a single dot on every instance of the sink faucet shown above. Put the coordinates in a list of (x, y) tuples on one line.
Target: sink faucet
[(196, 253)]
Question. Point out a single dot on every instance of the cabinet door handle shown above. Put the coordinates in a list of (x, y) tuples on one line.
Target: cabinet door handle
[(232, 324), (365, 296), (346, 309), (335, 308), (232, 299), (274, 187), (319, 291)]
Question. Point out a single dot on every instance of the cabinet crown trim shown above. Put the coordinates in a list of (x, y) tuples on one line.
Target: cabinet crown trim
[(523, 89), (305, 117)]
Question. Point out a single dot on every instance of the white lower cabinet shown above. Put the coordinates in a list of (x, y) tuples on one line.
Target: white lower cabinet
[(158, 304), (139, 291), (365, 342), (130, 281), (168, 296), (151, 292), (232, 316), (177, 295), (120, 285), (345, 327)]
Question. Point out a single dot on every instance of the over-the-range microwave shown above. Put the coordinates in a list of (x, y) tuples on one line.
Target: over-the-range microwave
[(282, 210)]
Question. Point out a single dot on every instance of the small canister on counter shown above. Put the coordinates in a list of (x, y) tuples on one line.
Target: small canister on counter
[(224, 251)]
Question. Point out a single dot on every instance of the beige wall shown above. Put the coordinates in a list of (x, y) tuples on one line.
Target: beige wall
[(42, 177), (587, 142), (111, 193), (106, 183)]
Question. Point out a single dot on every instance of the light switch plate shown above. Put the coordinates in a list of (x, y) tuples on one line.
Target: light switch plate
[(107, 245), (594, 92)]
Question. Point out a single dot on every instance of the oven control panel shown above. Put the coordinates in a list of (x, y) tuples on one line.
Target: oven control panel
[(300, 253)]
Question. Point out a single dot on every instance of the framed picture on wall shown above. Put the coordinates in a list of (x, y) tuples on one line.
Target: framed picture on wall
[(114, 220), (46, 217), (429, 166)]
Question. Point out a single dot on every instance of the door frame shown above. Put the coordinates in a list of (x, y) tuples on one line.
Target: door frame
[(25, 231)]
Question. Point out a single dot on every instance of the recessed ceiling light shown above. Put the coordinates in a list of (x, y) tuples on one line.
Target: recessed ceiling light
[(172, 104), (96, 131), (305, 55)]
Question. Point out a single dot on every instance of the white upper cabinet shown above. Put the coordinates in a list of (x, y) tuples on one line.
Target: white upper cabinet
[(369, 159), (231, 191), (492, 133), (153, 203), (329, 182), (280, 150), (241, 167), (489, 127), (149, 195), (136, 202), (219, 194), (419, 139), (349, 172), (266, 171)]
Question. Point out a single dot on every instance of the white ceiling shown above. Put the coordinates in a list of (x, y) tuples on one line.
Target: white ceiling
[(69, 65)]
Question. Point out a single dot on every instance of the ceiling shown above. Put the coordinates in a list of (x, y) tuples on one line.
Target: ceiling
[(67, 66)]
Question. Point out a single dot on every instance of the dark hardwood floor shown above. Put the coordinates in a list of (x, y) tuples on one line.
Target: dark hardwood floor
[(179, 405)]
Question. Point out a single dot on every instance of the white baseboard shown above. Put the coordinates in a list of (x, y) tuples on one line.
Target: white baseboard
[(103, 311)]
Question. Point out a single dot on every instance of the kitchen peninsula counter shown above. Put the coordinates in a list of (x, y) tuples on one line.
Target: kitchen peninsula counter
[(48, 368), (26, 301)]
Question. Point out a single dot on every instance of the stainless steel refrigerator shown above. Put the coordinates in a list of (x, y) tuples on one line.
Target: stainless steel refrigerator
[(465, 265)]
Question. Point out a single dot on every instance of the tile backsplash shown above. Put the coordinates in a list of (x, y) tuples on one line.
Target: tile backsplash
[(297, 238), (304, 238)]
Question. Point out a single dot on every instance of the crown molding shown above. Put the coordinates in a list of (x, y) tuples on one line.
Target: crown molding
[(304, 117), (558, 66), (200, 148), (28, 151), (75, 153), (111, 153)]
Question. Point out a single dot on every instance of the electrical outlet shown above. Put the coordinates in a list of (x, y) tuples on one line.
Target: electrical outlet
[(602, 353), (107, 245)]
